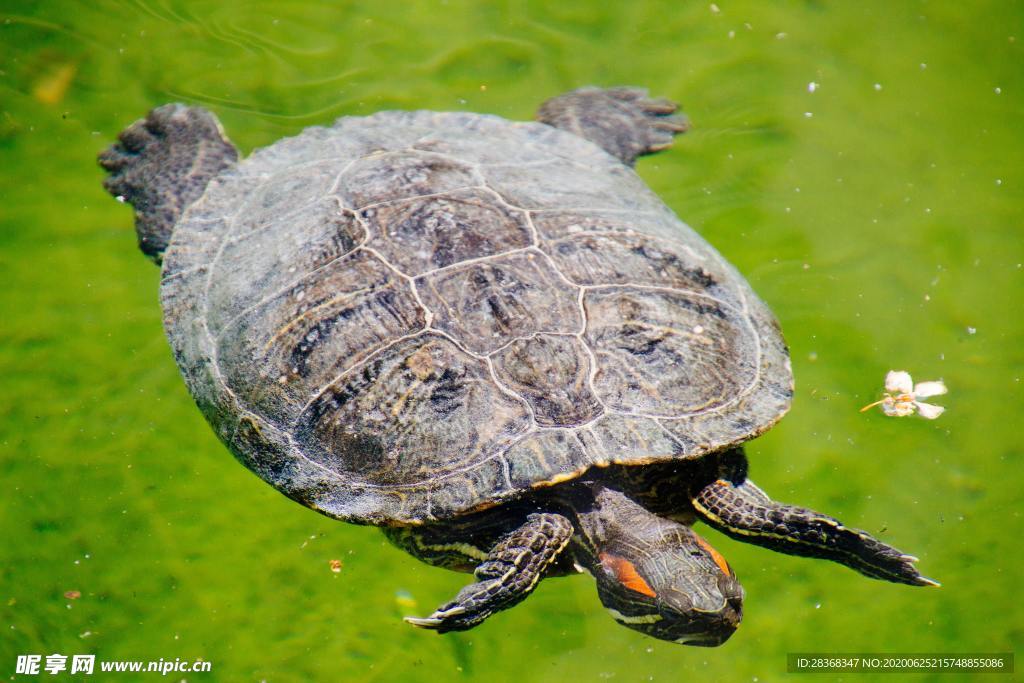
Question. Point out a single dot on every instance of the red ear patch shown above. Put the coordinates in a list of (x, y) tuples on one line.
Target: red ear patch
[(626, 574), (715, 555)]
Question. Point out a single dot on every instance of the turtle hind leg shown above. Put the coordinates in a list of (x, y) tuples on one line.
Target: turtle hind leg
[(735, 506), (511, 571), (163, 163), (625, 122)]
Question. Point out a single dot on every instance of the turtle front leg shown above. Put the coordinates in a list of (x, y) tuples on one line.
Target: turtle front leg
[(735, 506), (511, 571), (625, 122)]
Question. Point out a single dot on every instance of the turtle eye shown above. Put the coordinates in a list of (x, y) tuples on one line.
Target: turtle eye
[(626, 574)]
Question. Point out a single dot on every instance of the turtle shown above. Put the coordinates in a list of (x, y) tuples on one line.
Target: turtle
[(489, 338)]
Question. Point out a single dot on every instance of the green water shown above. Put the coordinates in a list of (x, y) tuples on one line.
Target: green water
[(879, 216)]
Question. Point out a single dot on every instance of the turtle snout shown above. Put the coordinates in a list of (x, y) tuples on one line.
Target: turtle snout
[(706, 618), (718, 626)]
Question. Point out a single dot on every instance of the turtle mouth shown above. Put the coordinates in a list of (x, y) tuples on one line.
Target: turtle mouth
[(715, 628), (703, 627), (691, 626), (702, 640)]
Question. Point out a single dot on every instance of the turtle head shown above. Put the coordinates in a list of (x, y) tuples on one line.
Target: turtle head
[(657, 576)]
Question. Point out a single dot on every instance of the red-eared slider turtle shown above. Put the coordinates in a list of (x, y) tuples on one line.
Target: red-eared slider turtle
[(489, 338)]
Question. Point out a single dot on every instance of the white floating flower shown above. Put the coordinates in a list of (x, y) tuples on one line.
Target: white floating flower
[(901, 396)]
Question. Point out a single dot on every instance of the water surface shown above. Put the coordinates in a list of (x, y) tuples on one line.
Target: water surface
[(878, 212)]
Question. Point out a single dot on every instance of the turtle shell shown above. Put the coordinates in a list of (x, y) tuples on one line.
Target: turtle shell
[(415, 315)]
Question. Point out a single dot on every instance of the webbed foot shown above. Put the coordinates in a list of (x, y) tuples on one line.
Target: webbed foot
[(624, 121), (161, 164)]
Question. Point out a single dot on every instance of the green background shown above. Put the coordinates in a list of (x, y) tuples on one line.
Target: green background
[(879, 216)]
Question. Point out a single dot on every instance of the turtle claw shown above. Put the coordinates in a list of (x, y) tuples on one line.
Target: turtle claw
[(138, 136), (445, 619), (114, 159), (423, 622), (440, 620), (453, 611), (881, 561), (658, 105), (904, 568), (672, 124)]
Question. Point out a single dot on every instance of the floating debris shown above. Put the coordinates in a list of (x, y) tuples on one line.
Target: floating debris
[(901, 396), (51, 87), (72, 595), (404, 599), (335, 565)]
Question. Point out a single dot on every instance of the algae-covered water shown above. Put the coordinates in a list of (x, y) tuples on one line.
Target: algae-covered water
[(861, 163)]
